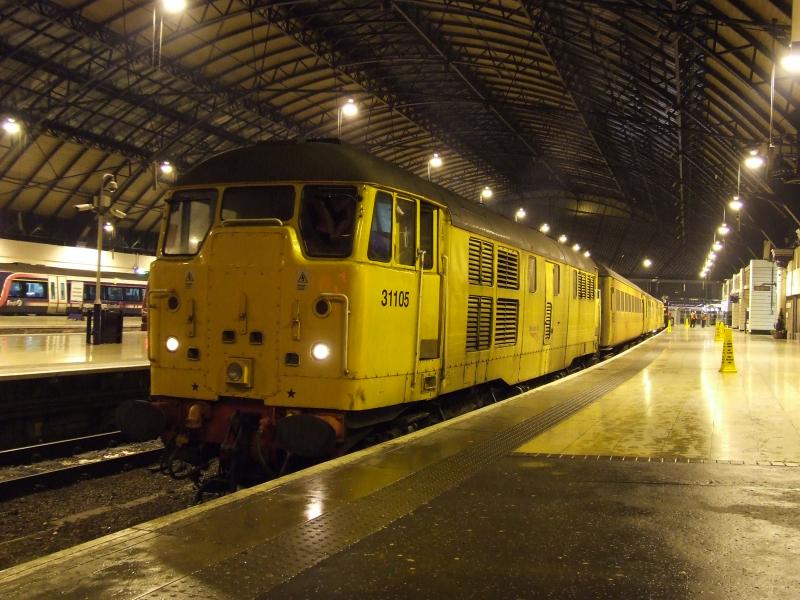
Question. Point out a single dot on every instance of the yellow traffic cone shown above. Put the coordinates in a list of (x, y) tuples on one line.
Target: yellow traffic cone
[(718, 334), (728, 365), (686, 323)]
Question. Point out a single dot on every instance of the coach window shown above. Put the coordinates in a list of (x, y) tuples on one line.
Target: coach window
[(556, 280), (327, 220), (406, 214), (532, 274), (380, 234), (191, 213), (427, 229), (258, 202)]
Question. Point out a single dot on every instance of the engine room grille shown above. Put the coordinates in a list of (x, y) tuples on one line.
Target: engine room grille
[(507, 269), (481, 262), (585, 286), (479, 323), (505, 322)]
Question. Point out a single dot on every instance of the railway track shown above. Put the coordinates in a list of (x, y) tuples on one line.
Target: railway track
[(58, 449), (62, 475)]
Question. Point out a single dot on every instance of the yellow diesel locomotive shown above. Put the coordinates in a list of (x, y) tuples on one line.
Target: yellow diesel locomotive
[(306, 294)]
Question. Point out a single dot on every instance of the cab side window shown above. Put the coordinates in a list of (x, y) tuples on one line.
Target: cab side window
[(427, 229), (380, 235), (406, 214)]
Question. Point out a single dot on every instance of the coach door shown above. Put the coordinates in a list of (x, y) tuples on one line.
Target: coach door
[(550, 280), (56, 294)]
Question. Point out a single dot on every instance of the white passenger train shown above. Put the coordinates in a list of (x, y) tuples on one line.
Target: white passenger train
[(36, 291)]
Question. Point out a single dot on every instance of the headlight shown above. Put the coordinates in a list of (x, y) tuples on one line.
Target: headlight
[(320, 351), (172, 344), (234, 372)]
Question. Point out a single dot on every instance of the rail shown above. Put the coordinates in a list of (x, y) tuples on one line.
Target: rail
[(345, 300)]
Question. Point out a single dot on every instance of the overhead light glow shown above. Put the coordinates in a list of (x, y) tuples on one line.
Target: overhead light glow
[(435, 161), (647, 263), (173, 6), (791, 60), (486, 193), (11, 126), (587, 254), (108, 227), (576, 247), (520, 214), (723, 229), (754, 161), (736, 204), (716, 246), (349, 108), (562, 239), (544, 228), (712, 256), (166, 168)]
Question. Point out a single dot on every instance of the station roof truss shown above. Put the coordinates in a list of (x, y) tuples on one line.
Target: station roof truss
[(620, 123)]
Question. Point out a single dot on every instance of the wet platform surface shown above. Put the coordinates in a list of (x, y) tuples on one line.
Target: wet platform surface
[(54, 324), (32, 355), (474, 508)]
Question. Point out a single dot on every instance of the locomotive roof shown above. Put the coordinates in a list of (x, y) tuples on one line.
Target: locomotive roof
[(332, 161)]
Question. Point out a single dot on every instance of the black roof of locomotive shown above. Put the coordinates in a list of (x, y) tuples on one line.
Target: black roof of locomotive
[(332, 161)]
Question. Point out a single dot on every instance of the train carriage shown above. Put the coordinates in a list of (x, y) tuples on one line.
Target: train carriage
[(627, 311)]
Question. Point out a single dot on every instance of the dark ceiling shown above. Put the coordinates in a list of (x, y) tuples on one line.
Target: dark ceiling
[(621, 124)]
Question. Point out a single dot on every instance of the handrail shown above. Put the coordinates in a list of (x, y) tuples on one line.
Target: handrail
[(342, 299), (443, 319), (421, 259), (258, 221), (151, 322)]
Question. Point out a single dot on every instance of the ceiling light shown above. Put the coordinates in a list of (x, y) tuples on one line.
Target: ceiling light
[(544, 228), (791, 60), (108, 227), (754, 161), (173, 6), (647, 263), (11, 126), (716, 246), (587, 254), (723, 229), (712, 256), (350, 108), (736, 204), (435, 161), (486, 193), (562, 238), (520, 214), (166, 168), (576, 247)]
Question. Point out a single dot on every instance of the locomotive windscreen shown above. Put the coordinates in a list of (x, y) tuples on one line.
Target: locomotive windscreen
[(327, 218), (191, 213)]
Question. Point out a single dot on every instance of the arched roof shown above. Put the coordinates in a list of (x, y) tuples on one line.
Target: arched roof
[(620, 123)]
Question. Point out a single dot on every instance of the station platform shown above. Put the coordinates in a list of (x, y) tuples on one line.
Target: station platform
[(36, 355), (648, 475), (10, 324)]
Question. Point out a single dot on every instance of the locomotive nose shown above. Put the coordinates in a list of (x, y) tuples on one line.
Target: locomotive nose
[(140, 420)]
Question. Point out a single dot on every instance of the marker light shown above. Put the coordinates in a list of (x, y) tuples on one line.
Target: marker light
[(234, 371), (544, 228), (320, 351), (172, 344)]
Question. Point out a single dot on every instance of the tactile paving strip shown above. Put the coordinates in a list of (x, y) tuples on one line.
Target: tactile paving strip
[(253, 572), (660, 459)]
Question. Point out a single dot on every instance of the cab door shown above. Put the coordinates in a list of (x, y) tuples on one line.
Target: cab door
[(430, 297)]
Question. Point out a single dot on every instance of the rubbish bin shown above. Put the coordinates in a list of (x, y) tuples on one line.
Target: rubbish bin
[(104, 326)]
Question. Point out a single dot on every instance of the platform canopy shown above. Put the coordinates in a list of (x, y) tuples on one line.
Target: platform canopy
[(621, 124)]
